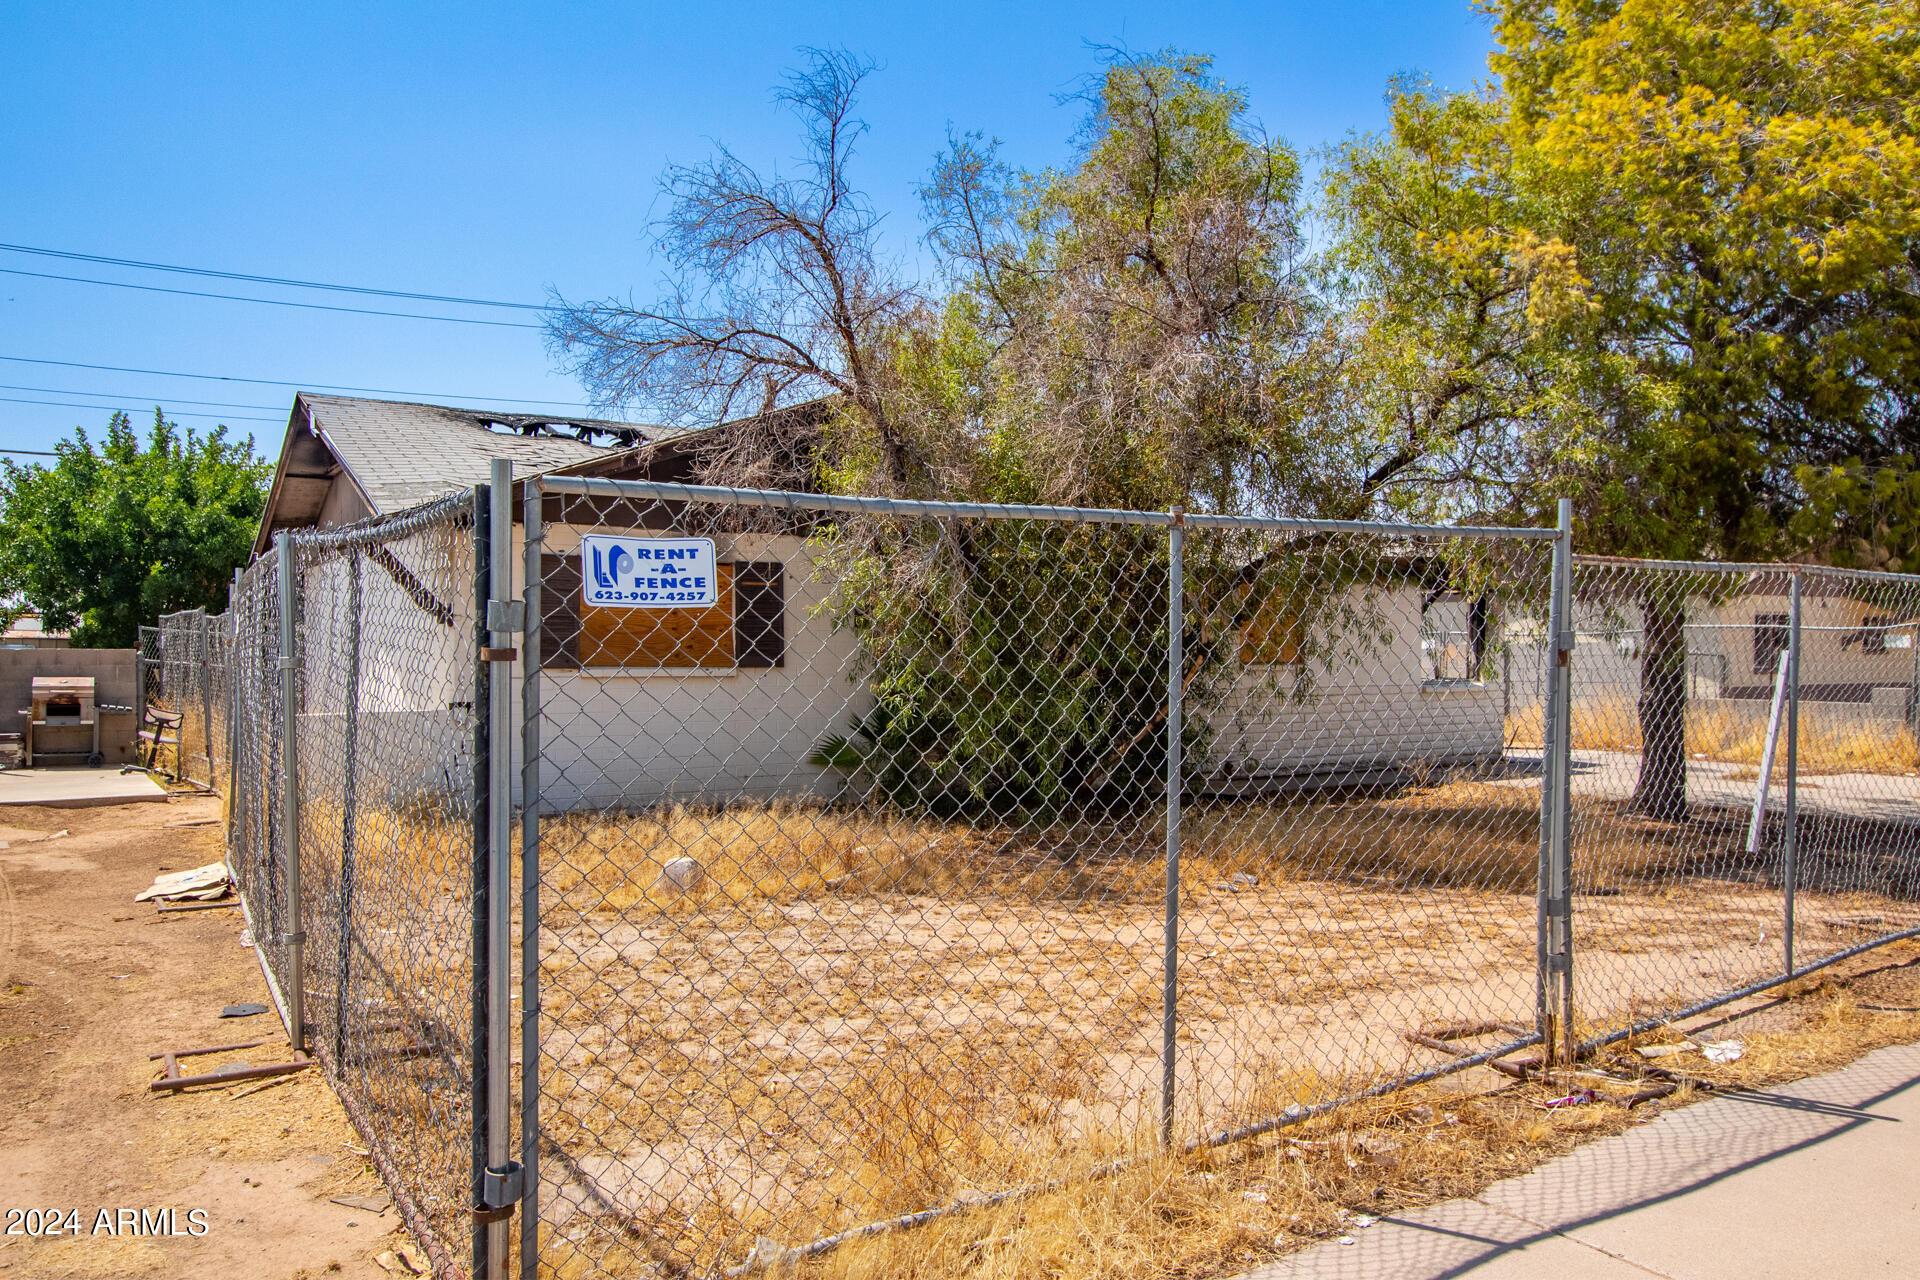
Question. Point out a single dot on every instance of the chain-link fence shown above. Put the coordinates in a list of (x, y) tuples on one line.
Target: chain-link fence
[(351, 833), (878, 860), (183, 669), (1743, 777), (893, 856)]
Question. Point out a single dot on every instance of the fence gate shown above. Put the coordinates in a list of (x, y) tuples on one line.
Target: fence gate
[(885, 857)]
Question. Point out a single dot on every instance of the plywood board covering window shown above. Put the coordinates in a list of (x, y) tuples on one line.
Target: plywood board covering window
[(661, 637), (1272, 635)]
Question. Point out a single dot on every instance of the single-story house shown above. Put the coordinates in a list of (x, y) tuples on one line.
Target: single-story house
[(1859, 655), (730, 695)]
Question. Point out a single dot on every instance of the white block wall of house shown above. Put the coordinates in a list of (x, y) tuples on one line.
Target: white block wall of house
[(631, 738), (1375, 701), (413, 736)]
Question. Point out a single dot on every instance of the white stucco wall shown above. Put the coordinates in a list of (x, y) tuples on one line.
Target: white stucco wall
[(1365, 695), (633, 737)]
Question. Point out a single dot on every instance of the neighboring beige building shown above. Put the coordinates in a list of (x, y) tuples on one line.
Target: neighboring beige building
[(28, 632)]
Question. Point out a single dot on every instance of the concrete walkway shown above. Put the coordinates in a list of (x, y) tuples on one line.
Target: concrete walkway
[(76, 788), (1814, 1179)]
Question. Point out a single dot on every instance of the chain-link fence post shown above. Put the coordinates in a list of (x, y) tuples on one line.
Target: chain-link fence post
[(1170, 987), (503, 619), (532, 519), (484, 1261), (1790, 846), (1555, 974), (294, 938)]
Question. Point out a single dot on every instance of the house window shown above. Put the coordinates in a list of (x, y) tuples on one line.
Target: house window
[(1877, 635), (745, 629), (1771, 637)]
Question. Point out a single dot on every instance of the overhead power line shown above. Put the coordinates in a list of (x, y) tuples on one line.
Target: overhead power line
[(115, 395), (209, 272), (107, 408), (268, 302), (284, 382)]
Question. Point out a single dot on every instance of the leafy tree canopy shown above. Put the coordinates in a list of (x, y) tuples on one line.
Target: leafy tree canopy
[(107, 538), (1667, 265)]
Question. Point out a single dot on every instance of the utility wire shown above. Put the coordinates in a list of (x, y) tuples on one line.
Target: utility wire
[(268, 302), (269, 382), (70, 404), (279, 280), (115, 395)]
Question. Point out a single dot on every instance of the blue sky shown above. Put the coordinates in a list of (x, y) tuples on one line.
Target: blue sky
[(499, 151)]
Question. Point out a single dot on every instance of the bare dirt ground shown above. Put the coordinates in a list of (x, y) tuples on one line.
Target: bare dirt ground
[(90, 984)]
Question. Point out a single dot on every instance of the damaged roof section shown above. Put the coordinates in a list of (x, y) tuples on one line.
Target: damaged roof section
[(345, 459)]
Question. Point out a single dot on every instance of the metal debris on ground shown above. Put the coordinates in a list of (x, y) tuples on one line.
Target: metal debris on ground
[(171, 1079), (242, 1010), (370, 1204)]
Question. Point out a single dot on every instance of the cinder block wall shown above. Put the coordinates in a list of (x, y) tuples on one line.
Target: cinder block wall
[(112, 672)]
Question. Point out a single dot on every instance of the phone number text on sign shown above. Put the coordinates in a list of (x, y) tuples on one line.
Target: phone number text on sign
[(648, 573)]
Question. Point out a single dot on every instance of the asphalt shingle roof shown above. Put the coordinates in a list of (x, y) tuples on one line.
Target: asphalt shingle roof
[(402, 454)]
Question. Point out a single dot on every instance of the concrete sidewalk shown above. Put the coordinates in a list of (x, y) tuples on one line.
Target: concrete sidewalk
[(77, 788), (1816, 1178)]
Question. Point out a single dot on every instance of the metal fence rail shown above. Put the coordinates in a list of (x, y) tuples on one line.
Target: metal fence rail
[(882, 859)]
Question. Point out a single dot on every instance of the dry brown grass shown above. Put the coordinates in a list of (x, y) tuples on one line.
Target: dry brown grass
[(1219, 1212), (852, 1016), (1714, 733)]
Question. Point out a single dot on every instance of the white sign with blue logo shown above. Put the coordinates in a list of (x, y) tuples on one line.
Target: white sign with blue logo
[(648, 573)]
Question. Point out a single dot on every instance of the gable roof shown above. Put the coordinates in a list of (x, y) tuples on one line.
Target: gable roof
[(397, 454)]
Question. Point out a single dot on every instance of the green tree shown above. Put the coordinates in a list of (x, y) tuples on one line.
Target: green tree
[(105, 539), (1668, 267)]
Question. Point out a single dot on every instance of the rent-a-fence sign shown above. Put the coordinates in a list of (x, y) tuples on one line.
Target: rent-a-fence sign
[(648, 573)]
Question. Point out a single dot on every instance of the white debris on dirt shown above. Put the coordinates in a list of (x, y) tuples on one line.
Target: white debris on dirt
[(202, 884), (681, 875)]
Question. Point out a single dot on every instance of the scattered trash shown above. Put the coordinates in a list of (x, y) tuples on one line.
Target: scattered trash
[(680, 875), (370, 1204), (1238, 882), (767, 1254), (203, 884), (246, 937), (242, 1010), (1578, 1098), (1348, 1240), (1365, 1220), (399, 1262), (1257, 1196), (1715, 1050)]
